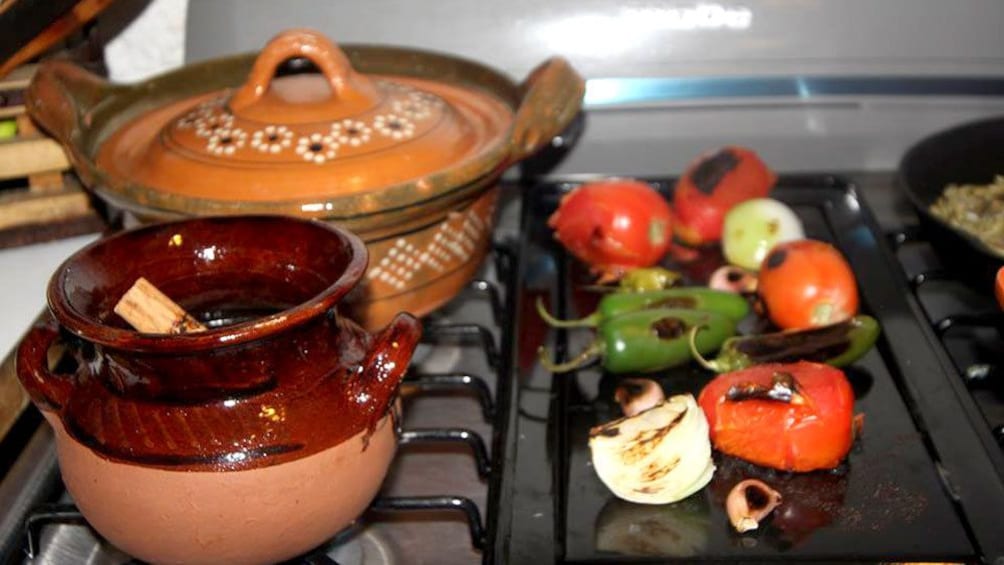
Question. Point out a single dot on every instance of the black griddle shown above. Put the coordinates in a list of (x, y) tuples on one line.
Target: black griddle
[(924, 482)]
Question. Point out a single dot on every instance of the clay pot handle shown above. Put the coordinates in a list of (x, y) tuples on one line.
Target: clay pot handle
[(348, 88), (551, 97), (384, 366), (47, 390), (60, 97)]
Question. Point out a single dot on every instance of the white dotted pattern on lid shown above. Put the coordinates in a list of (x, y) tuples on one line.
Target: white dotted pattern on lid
[(211, 120)]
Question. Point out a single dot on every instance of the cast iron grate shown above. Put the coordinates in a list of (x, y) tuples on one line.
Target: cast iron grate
[(54, 514), (972, 331)]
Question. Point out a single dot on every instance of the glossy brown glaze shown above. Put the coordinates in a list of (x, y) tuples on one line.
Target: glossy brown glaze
[(292, 380)]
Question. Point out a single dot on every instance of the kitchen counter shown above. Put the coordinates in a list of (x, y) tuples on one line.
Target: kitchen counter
[(26, 271)]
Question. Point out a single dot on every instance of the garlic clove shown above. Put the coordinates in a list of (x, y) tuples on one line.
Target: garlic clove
[(730, 278), (749, 502), (638, 395)]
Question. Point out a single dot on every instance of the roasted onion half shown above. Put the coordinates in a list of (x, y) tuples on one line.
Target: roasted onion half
[(658, 456)]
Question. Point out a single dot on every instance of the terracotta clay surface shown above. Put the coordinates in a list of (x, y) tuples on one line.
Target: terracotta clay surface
[(202, 149), (241, 517), (390, 143)]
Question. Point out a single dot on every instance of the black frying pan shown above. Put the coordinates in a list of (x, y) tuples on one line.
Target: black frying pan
[(968, 154)]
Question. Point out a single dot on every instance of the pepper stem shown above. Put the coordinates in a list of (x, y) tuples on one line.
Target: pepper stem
[(709, 364), (589, 321), (588, 354)]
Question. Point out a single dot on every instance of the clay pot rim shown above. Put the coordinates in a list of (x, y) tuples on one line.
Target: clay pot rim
[(87, 328), (144, 202)]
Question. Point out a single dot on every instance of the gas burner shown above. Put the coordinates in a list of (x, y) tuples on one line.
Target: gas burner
[(363, 547)]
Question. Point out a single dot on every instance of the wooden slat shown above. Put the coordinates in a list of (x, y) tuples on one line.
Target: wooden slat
[(11, 111), (13, 399), (82, 12), (23, 208), (19, 78), (25, 127), (20, 158), (46, 183)]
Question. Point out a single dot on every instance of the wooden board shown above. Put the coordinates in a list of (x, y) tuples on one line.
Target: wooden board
[(40, 197), (13, 399)]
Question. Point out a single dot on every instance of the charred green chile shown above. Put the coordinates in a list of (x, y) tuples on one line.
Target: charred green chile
[(611, 306), (837, 344), (649, 340)]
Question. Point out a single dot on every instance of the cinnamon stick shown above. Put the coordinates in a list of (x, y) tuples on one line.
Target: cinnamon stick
[(149, 310)]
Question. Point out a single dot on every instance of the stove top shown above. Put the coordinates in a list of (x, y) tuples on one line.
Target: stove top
[(494, 465), (924, 482)]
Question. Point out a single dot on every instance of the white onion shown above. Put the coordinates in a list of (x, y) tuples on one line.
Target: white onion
[(659, 456), (753, 227)]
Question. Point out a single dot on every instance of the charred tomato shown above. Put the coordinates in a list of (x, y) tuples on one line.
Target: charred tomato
[(711, 186), (999, 287), (788, 416), (614, 225), (807, 283)]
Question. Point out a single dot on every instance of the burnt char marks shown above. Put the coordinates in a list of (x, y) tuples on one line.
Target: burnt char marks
[(645, 442), (814, 344), (669, 328), (713, 169)]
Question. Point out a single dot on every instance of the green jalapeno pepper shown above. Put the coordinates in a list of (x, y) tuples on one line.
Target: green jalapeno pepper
[(838, 344), (610, 306), (648, 340), (648, 278)]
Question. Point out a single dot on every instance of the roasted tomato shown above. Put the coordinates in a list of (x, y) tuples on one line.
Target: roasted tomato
[(712, 186), (789, 416), (614, 225), (999, 287), (807, 283)]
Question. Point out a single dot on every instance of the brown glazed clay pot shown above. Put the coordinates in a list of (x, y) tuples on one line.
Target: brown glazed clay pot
[(402, 147), (251, 442)]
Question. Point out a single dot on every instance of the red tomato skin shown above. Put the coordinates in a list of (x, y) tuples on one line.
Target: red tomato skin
[(999, 287), (807, 283), (614, 225), (790, 437), (701, 199)]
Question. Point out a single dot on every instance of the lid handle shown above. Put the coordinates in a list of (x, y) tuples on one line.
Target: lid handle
[(351, 92)]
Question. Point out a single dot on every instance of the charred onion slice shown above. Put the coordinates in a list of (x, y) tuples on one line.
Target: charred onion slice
[(659, 456)]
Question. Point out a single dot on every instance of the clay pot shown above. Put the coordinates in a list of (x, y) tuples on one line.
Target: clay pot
[(254, 441), (403, 147)]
